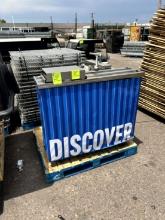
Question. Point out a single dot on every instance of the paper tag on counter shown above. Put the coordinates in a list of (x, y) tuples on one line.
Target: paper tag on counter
[(75, 74), (57, 78)]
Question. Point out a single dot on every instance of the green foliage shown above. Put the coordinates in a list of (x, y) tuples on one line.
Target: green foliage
[(2, 21)]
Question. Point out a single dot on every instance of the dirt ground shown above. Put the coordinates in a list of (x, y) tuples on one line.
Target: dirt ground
[(129, 189), (117, 60)]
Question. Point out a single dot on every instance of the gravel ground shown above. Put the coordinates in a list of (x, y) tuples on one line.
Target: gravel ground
[(117, 60), (129, 189)]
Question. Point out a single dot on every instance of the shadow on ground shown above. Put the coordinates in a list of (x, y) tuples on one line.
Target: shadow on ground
[(22, 146), (137, 141), (152, 115)]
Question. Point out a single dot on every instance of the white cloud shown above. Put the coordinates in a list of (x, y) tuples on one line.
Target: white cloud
[(19, 6)]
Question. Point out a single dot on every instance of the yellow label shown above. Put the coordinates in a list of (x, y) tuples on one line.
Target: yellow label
[(75, 74), (57, 78), (81, 42)]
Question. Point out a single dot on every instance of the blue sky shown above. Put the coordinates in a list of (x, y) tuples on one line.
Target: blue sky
[(64, 10)]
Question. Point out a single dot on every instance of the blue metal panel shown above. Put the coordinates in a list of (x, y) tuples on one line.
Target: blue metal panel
[(77, 109)]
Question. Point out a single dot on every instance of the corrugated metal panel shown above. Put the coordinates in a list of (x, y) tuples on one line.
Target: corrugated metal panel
[(77, 109)]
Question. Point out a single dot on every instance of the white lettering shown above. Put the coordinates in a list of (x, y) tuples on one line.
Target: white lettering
[(66, 147), (73, 142), (55, 149), (127, 131), (118, 134), (109, 136), (98, 142), (85, 148), (76, 145)]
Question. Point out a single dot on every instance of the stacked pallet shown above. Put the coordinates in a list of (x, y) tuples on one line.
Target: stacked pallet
[(153, 85), (26, 65)]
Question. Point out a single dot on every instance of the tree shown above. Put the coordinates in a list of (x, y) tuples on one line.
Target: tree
[(2, 21)]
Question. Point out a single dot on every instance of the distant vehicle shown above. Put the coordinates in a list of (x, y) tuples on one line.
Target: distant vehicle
[(89, 46)]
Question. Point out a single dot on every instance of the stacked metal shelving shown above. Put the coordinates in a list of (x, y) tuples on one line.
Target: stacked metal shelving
[(133, 48), (26, 65)]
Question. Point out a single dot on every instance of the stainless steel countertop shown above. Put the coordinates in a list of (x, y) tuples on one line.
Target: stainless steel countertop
[(94, 76)]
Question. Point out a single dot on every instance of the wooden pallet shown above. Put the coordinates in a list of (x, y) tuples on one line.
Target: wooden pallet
[(153, 84), (150, 108), (59, 170), (151, 98)]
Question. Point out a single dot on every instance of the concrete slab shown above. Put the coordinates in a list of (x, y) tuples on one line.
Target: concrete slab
[(142, 117), (128, 189)]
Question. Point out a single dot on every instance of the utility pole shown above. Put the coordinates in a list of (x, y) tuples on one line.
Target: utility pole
[(13, 22), (76, 22), (51, 20), (159, 3), (93, 25)]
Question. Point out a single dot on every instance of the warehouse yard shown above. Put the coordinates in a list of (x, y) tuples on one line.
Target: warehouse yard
[(132, 188)]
